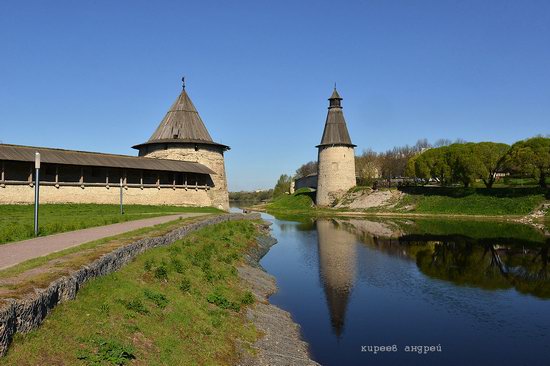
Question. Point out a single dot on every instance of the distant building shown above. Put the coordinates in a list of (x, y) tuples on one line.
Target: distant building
[(179, 165), (336, 159)]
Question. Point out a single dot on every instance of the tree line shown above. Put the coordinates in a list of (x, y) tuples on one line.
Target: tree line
[(446, 162), (464, 163)]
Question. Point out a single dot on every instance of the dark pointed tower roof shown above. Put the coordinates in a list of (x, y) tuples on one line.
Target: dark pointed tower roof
[(182, 123), (336, 131)]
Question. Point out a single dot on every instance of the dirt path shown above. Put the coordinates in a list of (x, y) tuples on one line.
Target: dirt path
[(20, 251)]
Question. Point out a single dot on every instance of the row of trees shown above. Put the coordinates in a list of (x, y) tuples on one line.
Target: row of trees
[(466, 162), (447, 162), (254, 196)]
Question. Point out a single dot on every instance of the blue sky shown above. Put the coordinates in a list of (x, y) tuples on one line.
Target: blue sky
[(100, 75)]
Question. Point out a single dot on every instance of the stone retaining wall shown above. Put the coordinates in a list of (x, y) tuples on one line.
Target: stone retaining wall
[(26, 314)]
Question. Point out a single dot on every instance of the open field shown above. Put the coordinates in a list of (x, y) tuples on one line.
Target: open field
[(177, 305), (16, 221)]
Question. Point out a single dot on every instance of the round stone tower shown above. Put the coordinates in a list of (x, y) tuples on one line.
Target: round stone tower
[(336, 159), (182, 135)]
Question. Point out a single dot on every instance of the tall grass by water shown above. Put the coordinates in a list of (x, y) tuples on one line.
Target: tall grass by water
[(16, 221)]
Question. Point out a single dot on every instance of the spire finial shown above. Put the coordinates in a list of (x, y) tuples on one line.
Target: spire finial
[(183, 82), (335, 85)]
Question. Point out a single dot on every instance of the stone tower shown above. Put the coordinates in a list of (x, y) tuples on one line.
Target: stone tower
[(182, 135), (336, 171)]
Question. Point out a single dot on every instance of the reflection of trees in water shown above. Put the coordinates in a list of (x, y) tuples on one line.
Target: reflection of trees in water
[(489, 263), (337, 267)]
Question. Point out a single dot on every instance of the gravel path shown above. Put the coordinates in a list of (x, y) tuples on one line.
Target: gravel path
[(20, 251)]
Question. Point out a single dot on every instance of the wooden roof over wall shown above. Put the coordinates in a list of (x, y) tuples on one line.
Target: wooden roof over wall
[(85, 158)]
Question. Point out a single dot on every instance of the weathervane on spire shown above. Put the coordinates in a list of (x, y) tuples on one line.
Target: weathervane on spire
[(183, 82)]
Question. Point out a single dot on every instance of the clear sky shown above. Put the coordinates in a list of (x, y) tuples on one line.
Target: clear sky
[(100, 75)]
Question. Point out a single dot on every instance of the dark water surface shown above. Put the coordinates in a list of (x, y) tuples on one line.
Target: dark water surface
[(479, 290)]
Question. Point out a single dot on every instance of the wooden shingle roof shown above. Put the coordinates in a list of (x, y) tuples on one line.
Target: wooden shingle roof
[(85, 158), (336, 131), (182, 123)]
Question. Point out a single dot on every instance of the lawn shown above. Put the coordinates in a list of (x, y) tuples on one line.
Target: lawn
[(473, 201), (177, 305), (16, 221)]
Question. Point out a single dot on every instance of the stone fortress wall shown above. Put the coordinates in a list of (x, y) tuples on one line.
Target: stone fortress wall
[(336, 173), (24, 194), (210, 156)]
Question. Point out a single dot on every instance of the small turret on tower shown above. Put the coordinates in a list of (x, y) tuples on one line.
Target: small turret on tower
[(336, 159)]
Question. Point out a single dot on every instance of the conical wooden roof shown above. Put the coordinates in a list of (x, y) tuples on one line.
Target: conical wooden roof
[(336, 131), (182, 123)]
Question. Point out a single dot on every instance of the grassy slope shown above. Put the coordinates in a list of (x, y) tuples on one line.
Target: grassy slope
[(426, 200), (175, 305), (16, 221), (460, 201), (299, 201)]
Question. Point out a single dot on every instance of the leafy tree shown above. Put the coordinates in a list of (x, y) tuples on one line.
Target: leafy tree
[(492, 157), (532, 157), (306, 169), (433, 164), (282, 186), (367, 167)]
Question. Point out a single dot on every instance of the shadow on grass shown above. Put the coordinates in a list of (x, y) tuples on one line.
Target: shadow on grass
[(310, 194), (458, 192)]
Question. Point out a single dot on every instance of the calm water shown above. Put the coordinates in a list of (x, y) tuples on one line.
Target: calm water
[(480, 290)]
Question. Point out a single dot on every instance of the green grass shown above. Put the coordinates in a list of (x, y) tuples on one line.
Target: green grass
[(430, 200), (16, 221), (302, 199), (190, 314), (95, 248), (473, 201)]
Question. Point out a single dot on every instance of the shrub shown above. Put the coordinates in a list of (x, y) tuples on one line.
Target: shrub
[(156, 297), (222, 302), (185, 285), (135, 305), (248, 298), (161, 273), (105, 351)]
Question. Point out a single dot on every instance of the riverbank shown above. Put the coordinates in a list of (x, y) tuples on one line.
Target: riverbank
[(193, 293), (515, 204), (281, 343)]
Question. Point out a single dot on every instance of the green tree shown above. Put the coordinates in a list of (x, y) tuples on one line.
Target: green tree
[(433, 164), (282, 186), (492, 159), (532, 157), (306, 169)]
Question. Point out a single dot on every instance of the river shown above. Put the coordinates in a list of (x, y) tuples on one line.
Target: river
[(368, 291)]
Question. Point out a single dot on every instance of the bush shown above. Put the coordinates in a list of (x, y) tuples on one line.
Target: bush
[(161, 273), (222, 302), (108, 352), (185, 285), (248, 298), (159, 299), (135, 305)]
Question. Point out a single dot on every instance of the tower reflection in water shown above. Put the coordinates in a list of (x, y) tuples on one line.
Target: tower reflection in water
[(337, 269)]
